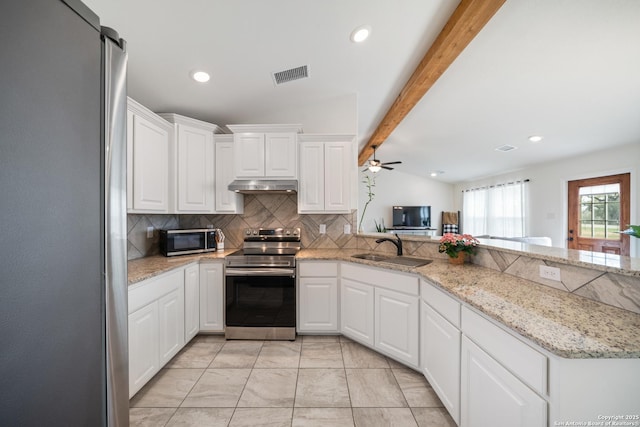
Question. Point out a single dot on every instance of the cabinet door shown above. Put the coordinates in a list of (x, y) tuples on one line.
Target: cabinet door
[(318, 307), (143, 346), (226, 201), (440, 357), (171, 324), (195, 170), (337, 189), (396, 326), (211, 297), (191, 302), (248, 155), (312, 169), (491, 395), (150, 164), (357, 311), (281, 155)]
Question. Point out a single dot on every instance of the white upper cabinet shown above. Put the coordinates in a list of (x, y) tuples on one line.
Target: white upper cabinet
[(226, 201), (249, 155), (193, 165), (280, 155), (326, 165), (265, 151), (149, 141)]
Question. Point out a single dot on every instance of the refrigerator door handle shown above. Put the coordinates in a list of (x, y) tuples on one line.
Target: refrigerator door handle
[(115, 231)]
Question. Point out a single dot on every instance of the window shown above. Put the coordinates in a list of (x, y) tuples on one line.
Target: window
[(600, 212), (498, 210)]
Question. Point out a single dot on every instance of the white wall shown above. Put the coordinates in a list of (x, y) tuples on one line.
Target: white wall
[(397, 188), (334, 115), (548, 188)]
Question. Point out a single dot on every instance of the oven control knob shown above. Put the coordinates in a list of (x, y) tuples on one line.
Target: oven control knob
[(295, 232), (255, 232), (248, 232), (288, 232)]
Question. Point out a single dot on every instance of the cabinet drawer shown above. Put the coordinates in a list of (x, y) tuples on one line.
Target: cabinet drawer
[(447, 306), (522, 360), (381, 278), (318, 269), (152, 289)]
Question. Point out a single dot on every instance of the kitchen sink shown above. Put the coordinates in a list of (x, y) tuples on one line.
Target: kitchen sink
[(408, 261), (371, 257), (400, 260)]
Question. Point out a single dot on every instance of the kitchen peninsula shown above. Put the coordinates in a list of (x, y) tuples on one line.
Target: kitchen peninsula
[(545, 343)]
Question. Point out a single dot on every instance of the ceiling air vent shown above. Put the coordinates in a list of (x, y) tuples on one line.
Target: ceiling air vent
[(290, 75), (505, 148)]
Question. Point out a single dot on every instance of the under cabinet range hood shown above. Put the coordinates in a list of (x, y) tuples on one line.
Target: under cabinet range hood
[(256, 186)]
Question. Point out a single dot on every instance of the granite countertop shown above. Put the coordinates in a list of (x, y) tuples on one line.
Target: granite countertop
[(564, 324), (145, 268)]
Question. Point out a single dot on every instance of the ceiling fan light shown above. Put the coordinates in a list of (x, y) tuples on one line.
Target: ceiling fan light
[(375, 168)]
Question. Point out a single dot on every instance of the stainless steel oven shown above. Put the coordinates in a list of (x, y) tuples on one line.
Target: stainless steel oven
[(260, 286)]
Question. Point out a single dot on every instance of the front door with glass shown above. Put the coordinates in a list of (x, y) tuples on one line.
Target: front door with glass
[(598, 211)]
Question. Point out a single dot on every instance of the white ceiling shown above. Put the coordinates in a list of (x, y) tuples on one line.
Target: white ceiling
[(565, 69)]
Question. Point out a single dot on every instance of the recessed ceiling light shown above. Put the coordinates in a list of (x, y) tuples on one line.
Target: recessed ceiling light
[(360, 34), (536, 138), (200, 76), (436, 173)]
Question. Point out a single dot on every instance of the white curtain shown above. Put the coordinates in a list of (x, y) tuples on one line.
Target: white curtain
[(498, 210)]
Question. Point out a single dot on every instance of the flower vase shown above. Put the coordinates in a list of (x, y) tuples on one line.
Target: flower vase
[(458, 259)]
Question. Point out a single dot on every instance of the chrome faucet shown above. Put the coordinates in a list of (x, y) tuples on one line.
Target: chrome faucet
[(398, 243)]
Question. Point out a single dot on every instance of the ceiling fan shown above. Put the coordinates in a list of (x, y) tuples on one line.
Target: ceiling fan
[(375, 165)]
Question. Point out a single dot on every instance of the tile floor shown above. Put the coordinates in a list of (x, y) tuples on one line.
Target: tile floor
[(314, 381)]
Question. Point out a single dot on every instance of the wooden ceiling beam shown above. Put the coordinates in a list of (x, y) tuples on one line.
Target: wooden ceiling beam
[(464, 24)]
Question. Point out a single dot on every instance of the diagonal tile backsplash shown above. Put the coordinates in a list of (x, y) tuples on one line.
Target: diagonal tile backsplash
[(262, 210), (278, 210)]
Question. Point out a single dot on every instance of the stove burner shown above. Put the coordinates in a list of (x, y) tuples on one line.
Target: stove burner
[(266, 247)]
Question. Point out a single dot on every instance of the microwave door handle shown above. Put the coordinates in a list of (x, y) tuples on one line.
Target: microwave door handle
[(286, 272)]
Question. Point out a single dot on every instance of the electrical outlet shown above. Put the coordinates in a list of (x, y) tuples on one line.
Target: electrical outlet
[(149, 232), (346, 229), (323, 228), (551, 273)]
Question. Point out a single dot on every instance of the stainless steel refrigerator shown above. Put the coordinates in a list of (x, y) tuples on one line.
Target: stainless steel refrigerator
[(63, 284)]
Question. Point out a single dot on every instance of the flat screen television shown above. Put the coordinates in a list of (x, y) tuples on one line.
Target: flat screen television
[(412, 216)]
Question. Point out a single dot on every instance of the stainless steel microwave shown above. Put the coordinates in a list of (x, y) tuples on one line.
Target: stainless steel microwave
[(187, 241)]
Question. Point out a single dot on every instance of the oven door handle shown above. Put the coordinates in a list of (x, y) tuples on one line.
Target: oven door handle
[(286, 272)]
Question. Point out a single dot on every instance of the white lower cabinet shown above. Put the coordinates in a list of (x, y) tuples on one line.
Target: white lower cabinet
[(357, 306), (492, 396), (440, 358), (191, 302), (156, 326), (396, 325), (317, 297), (144, 360), (212, 297), (171, 324), (380, 308)]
